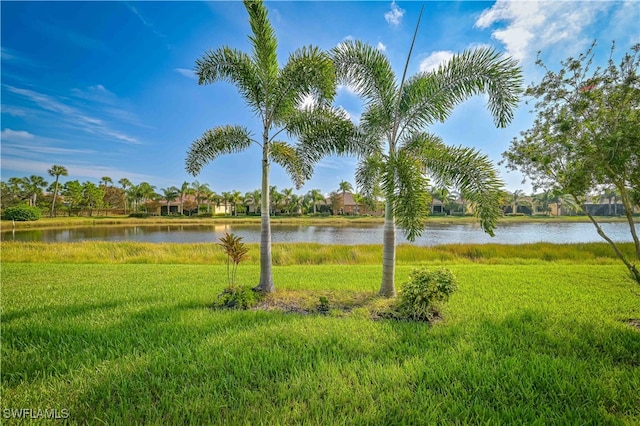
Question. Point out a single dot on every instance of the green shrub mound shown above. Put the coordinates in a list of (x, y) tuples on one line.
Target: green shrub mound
[(237, 298), (424, 293), (21, 213)]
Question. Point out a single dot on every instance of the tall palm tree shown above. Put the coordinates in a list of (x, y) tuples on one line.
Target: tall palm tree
[(56, 171), (344, 187), (396, 115), (275, 95), (125, 183)]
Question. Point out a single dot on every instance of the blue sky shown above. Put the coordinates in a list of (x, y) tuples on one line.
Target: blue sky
[(107, 89)]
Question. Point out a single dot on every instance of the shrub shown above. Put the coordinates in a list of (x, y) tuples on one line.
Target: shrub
[(424, 293), (22, 213), (237, 298), (139, 215)]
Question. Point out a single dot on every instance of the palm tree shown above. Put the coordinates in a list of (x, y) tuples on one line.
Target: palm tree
[(170, 194), (33, 187), (609, 194), (344, 187), (274, 94), (334, 202), (125, 183), (316, 196), (253, 198), (395, 117), (235, 198), (105, 180), (226, 198), (56, 171), (358, 199), (542, 199), (515, 198), (199, 189), (287, 195)]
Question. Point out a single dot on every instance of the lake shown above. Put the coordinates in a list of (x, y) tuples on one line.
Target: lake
[(436, 234)]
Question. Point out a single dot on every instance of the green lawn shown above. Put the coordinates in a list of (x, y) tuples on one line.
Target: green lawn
[(543, 343)]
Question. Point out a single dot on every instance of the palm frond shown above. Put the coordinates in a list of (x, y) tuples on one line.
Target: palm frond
[(411, 198), (369, 174), (308, 72), (322, 131), (430, 97), (286, 156), (213, 143), (263, 40), (233, 66), (464, 168), (367, 71)]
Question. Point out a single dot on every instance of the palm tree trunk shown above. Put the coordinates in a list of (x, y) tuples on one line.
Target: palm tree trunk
[(266, 275), (53, 202), (387, 288)]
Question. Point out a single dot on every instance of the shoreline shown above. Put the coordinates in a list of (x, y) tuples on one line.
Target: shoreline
[(97, 221)]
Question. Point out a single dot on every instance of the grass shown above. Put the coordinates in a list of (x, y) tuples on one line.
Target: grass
[(309, 253), (525, 342)]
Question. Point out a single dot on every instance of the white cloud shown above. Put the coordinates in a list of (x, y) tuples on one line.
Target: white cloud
[(381, 47), (531, 26), (190, 74), (394, 16), (433, 61), (16, 112), (12, 135), (73, 116), (348, 38), (75, 170), (97, 93)]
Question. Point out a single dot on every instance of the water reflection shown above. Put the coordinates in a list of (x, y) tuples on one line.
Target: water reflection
[(511, 233)]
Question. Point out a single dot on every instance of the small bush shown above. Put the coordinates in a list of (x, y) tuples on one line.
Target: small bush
[(139, 215), (323, 305), (22, 213), (424, 293), (237, 298)]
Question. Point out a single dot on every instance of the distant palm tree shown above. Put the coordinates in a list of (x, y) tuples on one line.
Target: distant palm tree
[(334, 202), (395, 149), (316, 196), (226, 199), (254, 199), (170, 194), (275, 95), (56, 171), (344, 187), (34, 185), (516, 197), (125, 183), (184, 191), (199, 190), (235, 198), (105, 180)]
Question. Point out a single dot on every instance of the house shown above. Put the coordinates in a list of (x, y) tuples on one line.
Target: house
[(189, 207), (348, 205)]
